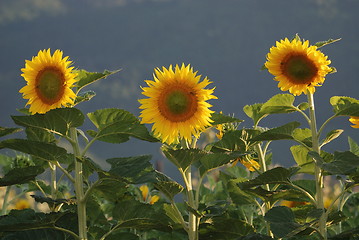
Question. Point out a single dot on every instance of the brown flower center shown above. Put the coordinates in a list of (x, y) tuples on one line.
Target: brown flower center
[(177, 103), (298, 68), (50, 85)]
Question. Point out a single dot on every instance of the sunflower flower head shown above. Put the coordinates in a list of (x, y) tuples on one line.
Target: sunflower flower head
[(355, 121), (176, 104), (297, 66), (49, 81)]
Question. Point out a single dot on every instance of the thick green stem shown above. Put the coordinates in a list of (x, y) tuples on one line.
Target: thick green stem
[(317, 171), (53, 183), (5, 202), (81, 203), (192, 221)]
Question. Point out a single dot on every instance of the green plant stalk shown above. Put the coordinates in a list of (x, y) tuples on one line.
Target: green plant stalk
[(192, 221), (53, 183), (317, 171), (81, 203), (5, 202)]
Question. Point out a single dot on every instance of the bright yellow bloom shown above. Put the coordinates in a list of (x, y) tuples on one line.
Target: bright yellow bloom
[(144, 191), (220, 133), (250, 164), (297, 66), (49, 82), (22, 204), (154, 199), (176, 104), (355, 121)]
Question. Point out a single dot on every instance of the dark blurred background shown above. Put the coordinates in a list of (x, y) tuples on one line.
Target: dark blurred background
[(225, 40)]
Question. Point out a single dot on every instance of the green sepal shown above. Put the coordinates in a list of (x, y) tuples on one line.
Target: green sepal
[(117, 125)]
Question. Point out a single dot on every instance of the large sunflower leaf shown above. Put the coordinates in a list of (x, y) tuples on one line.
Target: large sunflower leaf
[(41, 150), (238, 140), (278, 133), (305, 162), (183, 158), (7, 131), (132, 169), (117, 125), (354, 147), (280, 103), (57, 121), (212, 161), (167, 186), (254, 112), (133, 214), (344, 163), (345, 106), (85, 78), (219, 118), (20, 175)]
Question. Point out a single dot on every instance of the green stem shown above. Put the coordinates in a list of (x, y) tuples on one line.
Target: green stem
[(53, 183), (5, 202), (325, 123), (81, 203), (68, 175), (192, 221), (317, 171), (311, 198)]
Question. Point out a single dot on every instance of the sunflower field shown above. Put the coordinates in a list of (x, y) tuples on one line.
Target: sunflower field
[(52, 189)]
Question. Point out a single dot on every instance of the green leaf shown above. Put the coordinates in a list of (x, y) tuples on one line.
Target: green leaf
[(331, 136), (20, 175), (85, 78), (239, 196), (254, 112), (323, 43), (167, 186), (238, 140), (280, 103), (122, 235), (345, 106), (132, 169), (41, 150), (117, 125), (219, 118), (183, 158), (57, 121), (281, 221), (172, 213), (303, 135), (7, 131), (133, 214), (39, 135), (110, 189), (344, 163), (278, 175), (305, 162), (212, 161), (279, 133), (354, 147), (84, 96), (303, 106)]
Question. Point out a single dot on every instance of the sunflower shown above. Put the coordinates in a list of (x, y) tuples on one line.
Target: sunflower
[(176, 104), (355, 121), (297, 66), (49, 82)]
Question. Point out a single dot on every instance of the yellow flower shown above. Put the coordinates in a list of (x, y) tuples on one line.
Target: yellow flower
[(22, 204), (297, 66), (154, 199), (176, 104), (219, 135), (146, 197), (355, 121), (250, 164), (292, 204), (49, 82)]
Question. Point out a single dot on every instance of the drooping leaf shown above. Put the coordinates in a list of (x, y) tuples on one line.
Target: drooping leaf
[(219, 118), (85, 78), (278, 175), (84, 96), (354, 147), (132, 169), (344, 163), (280, 103), (7, 131), (279, 133), (331, 136), (41, 150), (117, 125), (58, 121), (254, 112), (167, 186), (345, 106), (305, 162), (183, 158), (303, 135), (133, 214), (212, 161), (281, 221), (172, 213), (20, 175)]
